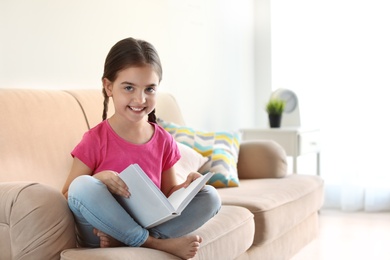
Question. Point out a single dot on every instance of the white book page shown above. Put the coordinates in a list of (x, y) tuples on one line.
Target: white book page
[(146, 204), (180, 198)]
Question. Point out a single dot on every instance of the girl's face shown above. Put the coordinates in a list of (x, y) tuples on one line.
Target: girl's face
[(133, 92)]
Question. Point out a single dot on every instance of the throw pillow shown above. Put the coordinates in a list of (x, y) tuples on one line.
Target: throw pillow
[(221, 148), (190, 161)]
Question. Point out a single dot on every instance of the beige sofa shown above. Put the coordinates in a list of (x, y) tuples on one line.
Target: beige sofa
[(271, 215)]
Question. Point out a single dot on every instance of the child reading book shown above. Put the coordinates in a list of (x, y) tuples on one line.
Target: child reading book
[(132, 73)]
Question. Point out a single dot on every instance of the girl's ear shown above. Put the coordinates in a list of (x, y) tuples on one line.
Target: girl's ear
[(107, 84)]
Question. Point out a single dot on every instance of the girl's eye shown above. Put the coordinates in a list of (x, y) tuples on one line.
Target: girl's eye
[(151, 90), (128, 88)]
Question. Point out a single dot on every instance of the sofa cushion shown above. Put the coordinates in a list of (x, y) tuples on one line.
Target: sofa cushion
[(226, 236), (260, 159), (277, 204), (220, 147), (190, 161)]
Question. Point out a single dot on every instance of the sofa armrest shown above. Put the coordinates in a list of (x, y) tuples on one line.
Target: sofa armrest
[(35, 222), (261, 159)]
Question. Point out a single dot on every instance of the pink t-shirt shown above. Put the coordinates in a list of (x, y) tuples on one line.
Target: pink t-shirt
[(102, 149)]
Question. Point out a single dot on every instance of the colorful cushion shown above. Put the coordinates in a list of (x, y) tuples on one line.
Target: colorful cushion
[(190, 161), (221, 148)]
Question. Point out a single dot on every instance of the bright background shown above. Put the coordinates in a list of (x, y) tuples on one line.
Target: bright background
[(207, 49), (335, 55), (222, 59)]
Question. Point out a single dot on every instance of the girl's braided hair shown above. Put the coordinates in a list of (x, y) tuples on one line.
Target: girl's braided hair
[(127, 53)]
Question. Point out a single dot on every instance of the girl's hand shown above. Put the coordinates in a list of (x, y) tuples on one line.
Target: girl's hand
[(114, 184), (190, 178)]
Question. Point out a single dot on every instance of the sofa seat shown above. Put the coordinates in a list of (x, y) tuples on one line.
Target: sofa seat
[(277, 204), (226, 236)]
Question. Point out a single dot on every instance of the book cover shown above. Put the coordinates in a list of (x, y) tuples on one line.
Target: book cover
[(147, 204)]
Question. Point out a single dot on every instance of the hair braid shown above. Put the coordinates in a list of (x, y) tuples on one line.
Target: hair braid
[(105, 104), (152, 116)]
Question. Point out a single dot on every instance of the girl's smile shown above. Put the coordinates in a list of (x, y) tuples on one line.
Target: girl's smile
[(137, 109)]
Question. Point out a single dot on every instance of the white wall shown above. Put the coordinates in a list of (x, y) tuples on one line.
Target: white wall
[(207, 49), (335, 55)]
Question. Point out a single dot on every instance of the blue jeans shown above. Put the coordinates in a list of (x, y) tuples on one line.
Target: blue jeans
[(93, 206)]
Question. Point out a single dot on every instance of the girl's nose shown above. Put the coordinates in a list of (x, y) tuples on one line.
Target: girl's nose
[(139, 97)]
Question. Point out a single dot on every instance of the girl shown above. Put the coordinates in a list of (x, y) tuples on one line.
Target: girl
[(132, 73)]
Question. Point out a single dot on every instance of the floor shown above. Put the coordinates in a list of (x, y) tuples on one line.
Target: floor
[(350, 235)]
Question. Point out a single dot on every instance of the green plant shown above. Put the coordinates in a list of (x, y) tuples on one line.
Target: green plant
[(275, 106)]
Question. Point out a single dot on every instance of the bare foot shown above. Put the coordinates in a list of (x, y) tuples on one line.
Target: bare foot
[(184, 247), (106, 240)]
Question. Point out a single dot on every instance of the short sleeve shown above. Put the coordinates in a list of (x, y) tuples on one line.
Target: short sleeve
[(171, 153), (86, 152)]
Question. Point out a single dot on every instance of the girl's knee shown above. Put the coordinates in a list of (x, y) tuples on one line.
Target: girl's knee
[(84, 184), (212, 196)]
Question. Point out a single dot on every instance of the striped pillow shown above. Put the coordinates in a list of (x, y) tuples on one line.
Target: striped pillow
[(221, 148)]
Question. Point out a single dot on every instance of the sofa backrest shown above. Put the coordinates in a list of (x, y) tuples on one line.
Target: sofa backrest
[(168, 109), (39, 129), (91, 101)]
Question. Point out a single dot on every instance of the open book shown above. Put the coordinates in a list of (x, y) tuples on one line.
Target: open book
[(148, 205)]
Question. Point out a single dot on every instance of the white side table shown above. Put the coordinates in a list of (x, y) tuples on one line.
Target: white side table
[(295, 141)]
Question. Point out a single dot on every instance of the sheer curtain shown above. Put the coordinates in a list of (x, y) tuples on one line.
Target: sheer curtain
[(335, 55)]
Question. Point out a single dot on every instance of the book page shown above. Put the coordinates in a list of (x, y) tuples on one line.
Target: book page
[(180, 198), (146, 204)]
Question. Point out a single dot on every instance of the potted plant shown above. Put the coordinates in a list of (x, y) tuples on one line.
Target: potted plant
[(275, 108)]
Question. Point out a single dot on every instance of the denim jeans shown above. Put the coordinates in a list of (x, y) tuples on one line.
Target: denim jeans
[(93, 206)]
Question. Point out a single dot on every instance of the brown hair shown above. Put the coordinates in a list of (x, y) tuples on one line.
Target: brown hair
[(127, 53)]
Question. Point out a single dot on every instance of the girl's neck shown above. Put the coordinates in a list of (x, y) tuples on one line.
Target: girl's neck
[(134, 132)]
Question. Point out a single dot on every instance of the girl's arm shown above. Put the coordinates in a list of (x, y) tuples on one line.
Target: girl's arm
[(78, 169), (109, 178), (169, 182)]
